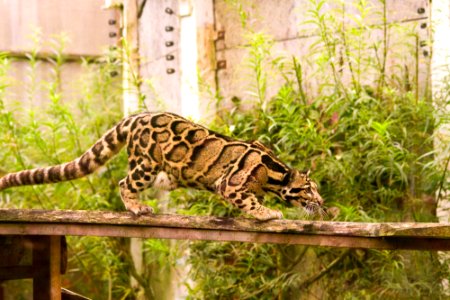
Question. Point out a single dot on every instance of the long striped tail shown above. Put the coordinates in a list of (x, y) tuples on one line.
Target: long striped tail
[(103, 150)]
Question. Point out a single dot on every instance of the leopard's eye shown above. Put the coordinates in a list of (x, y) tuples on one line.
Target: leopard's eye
[(296, 190)]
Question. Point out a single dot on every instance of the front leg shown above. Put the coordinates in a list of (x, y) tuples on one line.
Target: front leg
[(251, 205)]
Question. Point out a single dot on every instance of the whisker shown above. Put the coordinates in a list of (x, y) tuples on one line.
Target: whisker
[(304, 213), (306, 210), (323, 213), (314, 209), (310, 209)]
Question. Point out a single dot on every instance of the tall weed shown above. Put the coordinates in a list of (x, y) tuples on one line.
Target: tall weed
[(59, 130), (363, 129), (367, 135)]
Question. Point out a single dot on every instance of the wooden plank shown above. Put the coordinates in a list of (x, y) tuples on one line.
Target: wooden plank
[(285, 25), (420, 236), (19, 20), (287, 21), (341, 241), (206, 57), (425, 230), (23, 95), (159, 52), (237, 79), (17, 272)]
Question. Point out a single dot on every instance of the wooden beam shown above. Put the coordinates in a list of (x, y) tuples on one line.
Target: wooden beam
[(418, 236), (55, 267), (17, 272), (47, 267)]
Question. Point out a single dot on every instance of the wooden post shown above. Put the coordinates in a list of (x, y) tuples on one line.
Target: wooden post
[(47, 267), (55, 267), (131, 91), (206, 58), (130, 57), (440, 72)]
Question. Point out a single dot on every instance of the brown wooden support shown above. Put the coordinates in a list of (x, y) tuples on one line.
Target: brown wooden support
[(42, 258), (47, 266), (415, 236), (55, 267), (43, 231)]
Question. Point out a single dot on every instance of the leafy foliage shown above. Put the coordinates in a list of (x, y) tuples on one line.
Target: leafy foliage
[(59, 130), (367, 135), (364, 130)]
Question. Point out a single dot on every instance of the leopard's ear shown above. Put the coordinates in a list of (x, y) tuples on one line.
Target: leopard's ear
[(306, 172), (290, 177)]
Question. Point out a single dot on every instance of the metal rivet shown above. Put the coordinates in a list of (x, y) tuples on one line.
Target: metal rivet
[(112, 34), (168, 10), (425, 53), (169, 44), (112, 22), (423, 25), (169, 28), (221, 35), (170, 57), (421, 10), (221, 64), (170, 71)]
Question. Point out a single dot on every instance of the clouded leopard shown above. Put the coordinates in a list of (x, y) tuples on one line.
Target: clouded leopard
[(167, 151)]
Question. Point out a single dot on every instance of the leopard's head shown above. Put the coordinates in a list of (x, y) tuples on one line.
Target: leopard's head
[(301, 191)]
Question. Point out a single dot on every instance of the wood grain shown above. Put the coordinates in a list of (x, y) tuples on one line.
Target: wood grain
[(420, 236)]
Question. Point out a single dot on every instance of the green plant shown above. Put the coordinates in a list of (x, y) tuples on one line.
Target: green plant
[(363, 129), (368, 136), (61, 129)]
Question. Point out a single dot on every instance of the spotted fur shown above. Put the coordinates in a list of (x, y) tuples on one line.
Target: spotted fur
[(167, 151)]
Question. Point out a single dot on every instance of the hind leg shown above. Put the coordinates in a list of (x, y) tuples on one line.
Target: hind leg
[(138, 179), (129, 193)]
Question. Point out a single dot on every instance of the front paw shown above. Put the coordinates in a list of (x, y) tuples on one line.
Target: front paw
[(140, 209), (268, 214)]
